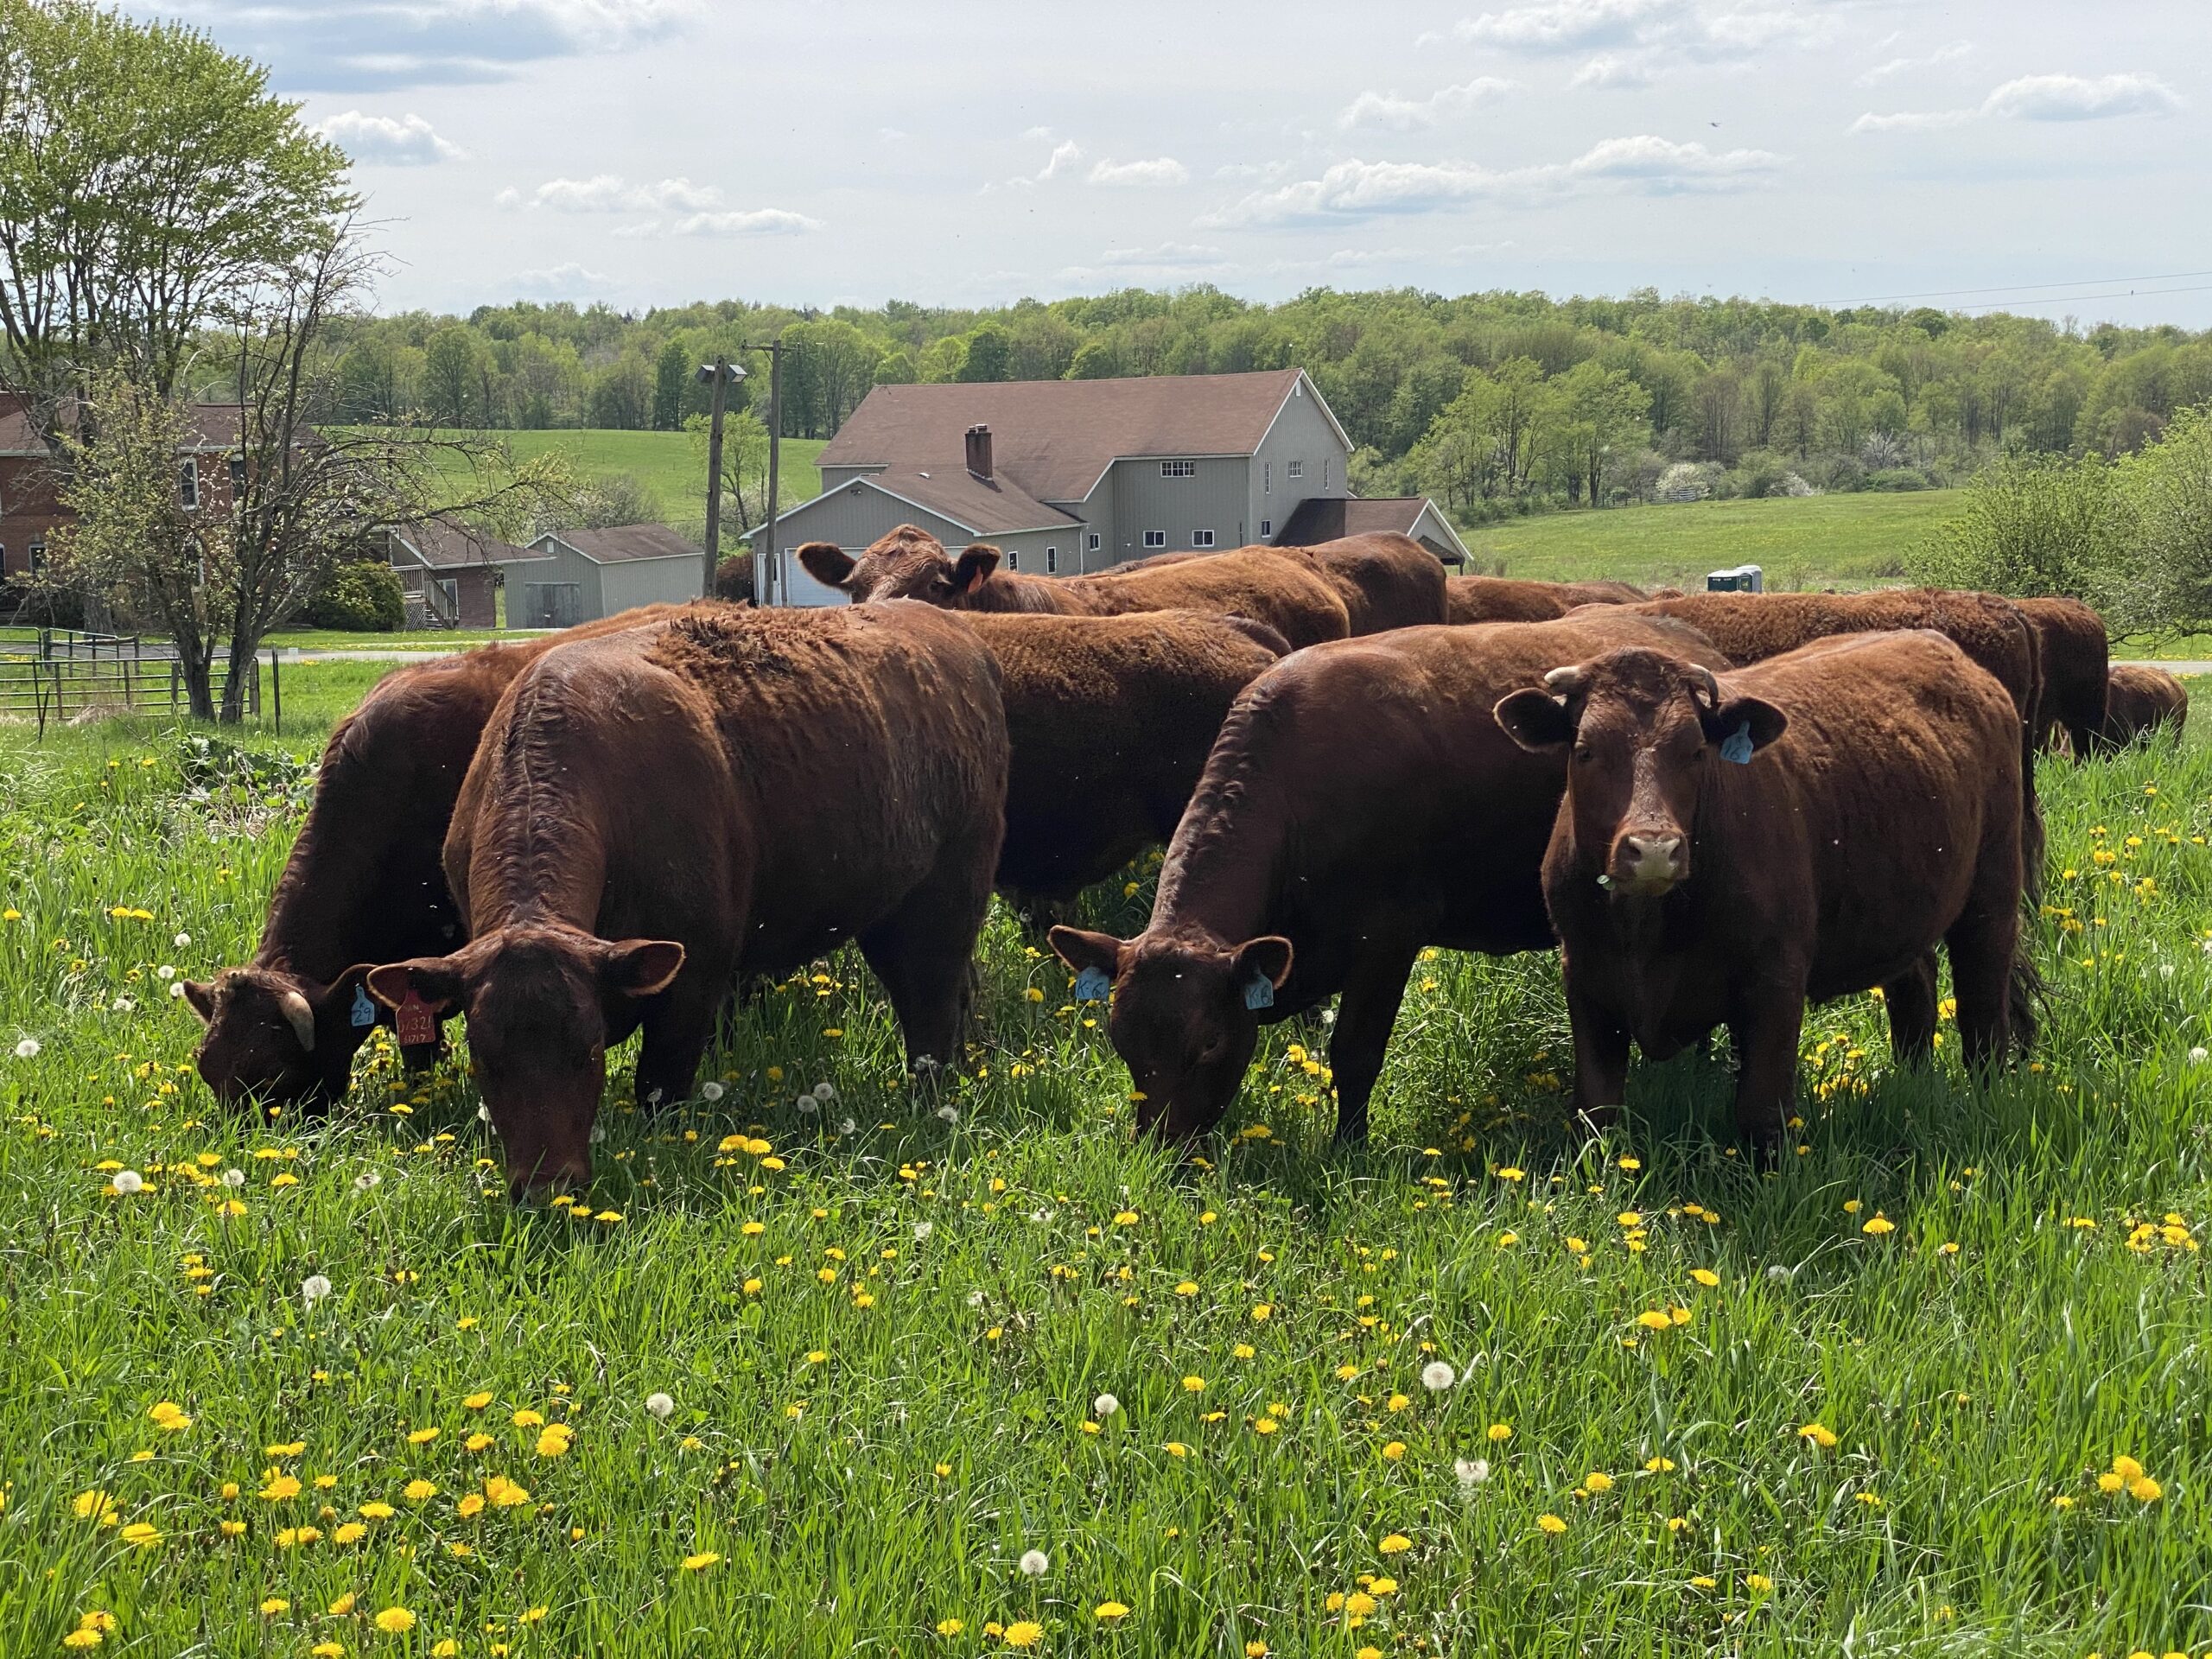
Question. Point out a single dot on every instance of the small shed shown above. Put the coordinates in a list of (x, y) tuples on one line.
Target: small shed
[(450, 573), (596, 573), (1329, 518)]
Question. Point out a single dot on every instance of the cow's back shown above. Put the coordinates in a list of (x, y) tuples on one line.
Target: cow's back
[(2075, 651), (1258, 582), (2141, 698), (1386, 580)]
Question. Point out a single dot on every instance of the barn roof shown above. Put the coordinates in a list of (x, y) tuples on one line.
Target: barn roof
[(987, 506), (623, 543), (1053, 438)]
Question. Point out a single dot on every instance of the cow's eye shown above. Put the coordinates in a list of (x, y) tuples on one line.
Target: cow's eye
[(1584, 754)]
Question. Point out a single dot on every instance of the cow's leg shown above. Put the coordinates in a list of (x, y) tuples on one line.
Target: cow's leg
[(923, 953), (1982, 944), (1365, 1013), (1910, 999), (678, 1024), (1600, 1059), (1765, 1024)]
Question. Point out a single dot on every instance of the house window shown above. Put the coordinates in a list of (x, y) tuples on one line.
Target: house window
[(1155, 538), (1202, 538), (1266, 527), (1293, 468), (1179, 469), (1267, 478), (1012, 560), (1052, 561), (1092, 540), (188, 483), (450, 596), (1325, 465), (38, 556)]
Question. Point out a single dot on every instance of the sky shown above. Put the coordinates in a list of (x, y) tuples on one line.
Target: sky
[(2048, 158)]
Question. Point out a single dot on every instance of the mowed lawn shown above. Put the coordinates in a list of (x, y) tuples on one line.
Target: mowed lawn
[(672, 466), (1852, 541), (818, 1362)]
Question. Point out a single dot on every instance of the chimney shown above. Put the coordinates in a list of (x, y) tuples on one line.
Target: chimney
[(979, 451)]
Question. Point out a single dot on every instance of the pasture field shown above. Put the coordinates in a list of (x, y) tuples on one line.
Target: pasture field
[(667, 463), (1849, 540), (819, 1361)]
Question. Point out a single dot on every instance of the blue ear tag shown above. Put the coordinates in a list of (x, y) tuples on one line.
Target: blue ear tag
[(1738, 745), (364, 1012), (1091, 985), (1259, 992)]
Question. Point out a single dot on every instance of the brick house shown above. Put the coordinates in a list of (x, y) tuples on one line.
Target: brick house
[(451, 574), (29, 513)]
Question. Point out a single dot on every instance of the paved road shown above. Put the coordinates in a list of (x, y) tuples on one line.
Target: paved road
[(2171, 667), (295, 654)]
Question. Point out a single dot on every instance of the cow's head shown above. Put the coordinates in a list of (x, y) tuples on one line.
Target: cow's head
[(540, 1002), (1184, 1019), (1645, 731), (908, 563), (279, 1038)]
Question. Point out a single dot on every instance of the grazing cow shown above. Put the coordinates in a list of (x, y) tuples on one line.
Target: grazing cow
[(2076, 656), (1751, 627), (1110, 720), (1361, 802), (1812, 825), (2142, 701), (1260, 583), (364, 883), (1497, 598), (654, 814), (1386, 580)]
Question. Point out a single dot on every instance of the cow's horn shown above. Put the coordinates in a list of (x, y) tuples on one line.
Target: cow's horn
[(1564, 681), (299, 1016), (1711, 686)]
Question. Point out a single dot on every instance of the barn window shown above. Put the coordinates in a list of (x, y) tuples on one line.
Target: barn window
[(1325, 465), (1092, 540), (1155, 538), (1179, 469), (1293, 468), (1267, 478), (1052, 561), (1012, 560), (1266, 527), (188, 485), (1202, 538)]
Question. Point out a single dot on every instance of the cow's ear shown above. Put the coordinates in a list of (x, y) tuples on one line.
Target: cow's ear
[(1535, 721), (436, 980), (640, 967), (974, 567), (1083, 949), (1743, 726), (200, 994), (828, 563), (1264, 959)]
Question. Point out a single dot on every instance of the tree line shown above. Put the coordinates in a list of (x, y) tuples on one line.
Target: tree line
[(1493, 403)]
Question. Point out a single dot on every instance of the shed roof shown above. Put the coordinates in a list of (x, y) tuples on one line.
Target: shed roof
[(444, 544), (1053, 438), (622, 543), (1327, 518)]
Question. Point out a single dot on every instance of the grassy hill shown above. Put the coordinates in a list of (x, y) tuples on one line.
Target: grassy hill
[(1807, 542), (668, 464)]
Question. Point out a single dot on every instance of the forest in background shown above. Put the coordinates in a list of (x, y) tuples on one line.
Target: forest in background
[(1494, 403)]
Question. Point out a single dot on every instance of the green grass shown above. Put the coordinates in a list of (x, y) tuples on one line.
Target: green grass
[(1852, 540), (670, 465), (884, 1344)]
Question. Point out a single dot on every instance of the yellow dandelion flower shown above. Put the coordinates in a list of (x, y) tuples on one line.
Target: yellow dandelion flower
[(1108, 1611), (1551, 1524), (394, 1621), (1024, 1633), (1395, 1543), (700, 1562), (1819, 1435)]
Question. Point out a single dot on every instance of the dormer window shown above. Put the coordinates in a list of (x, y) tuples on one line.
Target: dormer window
[(1179, 469)]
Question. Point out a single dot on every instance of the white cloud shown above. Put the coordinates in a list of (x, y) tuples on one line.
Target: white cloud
[(1354, 190), (1634, 40), (1164, 169), (1062, 158), (2073, 98), (1179, 255), (1612, 74), (2043, 98), (1568, 25), (385, 141), (508, 199), (759, 221), (643, 231), (565, 282), (1396, 114), (1883, 71), (609, 192)]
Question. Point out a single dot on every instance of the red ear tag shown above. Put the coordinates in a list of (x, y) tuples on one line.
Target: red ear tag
[(418, 1024)]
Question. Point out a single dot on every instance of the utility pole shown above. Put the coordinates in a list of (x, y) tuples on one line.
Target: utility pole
[(766, 565), (720, 374)]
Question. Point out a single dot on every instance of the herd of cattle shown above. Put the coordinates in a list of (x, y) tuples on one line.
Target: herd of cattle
[(1718, 806)]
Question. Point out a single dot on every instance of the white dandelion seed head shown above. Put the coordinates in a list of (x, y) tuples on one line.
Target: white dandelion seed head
[(806, 1103), (2196, 1055), (1040, 1215), (1436, 1376), (660, 1406), (1778, 1274), (183, 939), (126, 1005), (28, 1049), (2166, 970), (1471, 1472), (974, 1299), (177, 990), (165, 972), (314, 1289), (234, 1178), (847, 1126), (949, 1113), (366, 1179), (922, 1231), (928, 1063), (1328, 1016), (710, 1092), (128, 1181), (1105, 1406), (1035, 1563), (824, 1091), (598, 1133)]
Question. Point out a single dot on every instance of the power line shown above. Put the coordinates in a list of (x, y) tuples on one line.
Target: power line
[(2018, 287), (2111, 294)]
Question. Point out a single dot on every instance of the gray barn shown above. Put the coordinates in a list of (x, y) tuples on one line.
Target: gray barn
[(1069, 476), (581, 576)]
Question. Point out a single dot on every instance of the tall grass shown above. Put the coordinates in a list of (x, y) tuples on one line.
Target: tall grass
[(885, 1327)]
